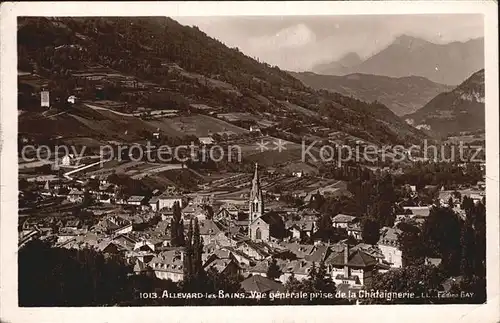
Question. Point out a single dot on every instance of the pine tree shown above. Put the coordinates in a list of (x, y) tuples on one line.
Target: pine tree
[(468, 250), (197, 251), (188, 255), (177, 226), (371, 231), (180, 233), (312, 272), (322, 280), (293, 284), (273, 271), (308, 284), (173, 232)]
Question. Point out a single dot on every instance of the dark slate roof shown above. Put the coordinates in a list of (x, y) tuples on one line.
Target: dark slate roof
[(320, 253), (258, 283), (357, 258), (272, 218)]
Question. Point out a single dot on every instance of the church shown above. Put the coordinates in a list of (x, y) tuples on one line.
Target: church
[(262, 225)]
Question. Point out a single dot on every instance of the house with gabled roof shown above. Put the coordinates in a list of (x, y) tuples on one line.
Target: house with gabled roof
[(240, 257), (209, 230), (320, 253), (153, 203), (300, 229), (109, 246), (343, 221), (169, 265), (253, 250), (299, 268), (352, 267), (299, 250), (194, 211), (227, 212), (226, 266)]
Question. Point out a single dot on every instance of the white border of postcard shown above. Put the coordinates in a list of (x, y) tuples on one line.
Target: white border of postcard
[(10, 312)]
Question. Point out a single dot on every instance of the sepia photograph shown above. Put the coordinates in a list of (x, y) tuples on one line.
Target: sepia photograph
[(183, 160)]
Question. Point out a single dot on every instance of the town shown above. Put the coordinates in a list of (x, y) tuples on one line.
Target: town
[(247, 226), (232, 209)]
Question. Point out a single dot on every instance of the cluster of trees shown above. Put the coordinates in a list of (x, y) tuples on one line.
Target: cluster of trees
[(423, 280), (60, 277), (375, 198), (184, 178), (449, 175), (346, 171), (461, 246)]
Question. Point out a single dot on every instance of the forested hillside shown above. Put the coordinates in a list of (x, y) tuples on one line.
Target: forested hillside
[(173, 67)]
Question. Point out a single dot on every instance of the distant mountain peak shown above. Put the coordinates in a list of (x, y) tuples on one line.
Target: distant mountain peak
[(461, 109), (350, 59), (410, 41)]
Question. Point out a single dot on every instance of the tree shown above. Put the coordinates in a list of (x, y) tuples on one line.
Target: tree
[(273, 270), (197, 251), (177, 226), (423, 281), (411, 246), (188, 254), (441, 238), (479, 225), (322, 281), (467, 204), (474, 286), (468, 250), (317, 201), (293, 284), (60, 272), (87, 199), (229, 283), (325, 227), (371, 231), (194, 275)]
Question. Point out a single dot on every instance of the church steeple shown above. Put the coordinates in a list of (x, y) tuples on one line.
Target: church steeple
[(256, 201), (255, 180)]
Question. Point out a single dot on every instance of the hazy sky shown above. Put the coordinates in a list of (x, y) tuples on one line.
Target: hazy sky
[(300, 42)]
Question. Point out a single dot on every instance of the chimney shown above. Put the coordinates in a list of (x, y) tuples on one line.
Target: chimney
[(346, 260)]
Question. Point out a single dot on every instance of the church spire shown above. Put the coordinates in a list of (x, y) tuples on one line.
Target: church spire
[(256, 176), (256, 201)]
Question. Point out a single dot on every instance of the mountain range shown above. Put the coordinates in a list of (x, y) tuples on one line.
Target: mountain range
[(448, 64), (341, 66), (461, 109), (165, 65), (403, 95)]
